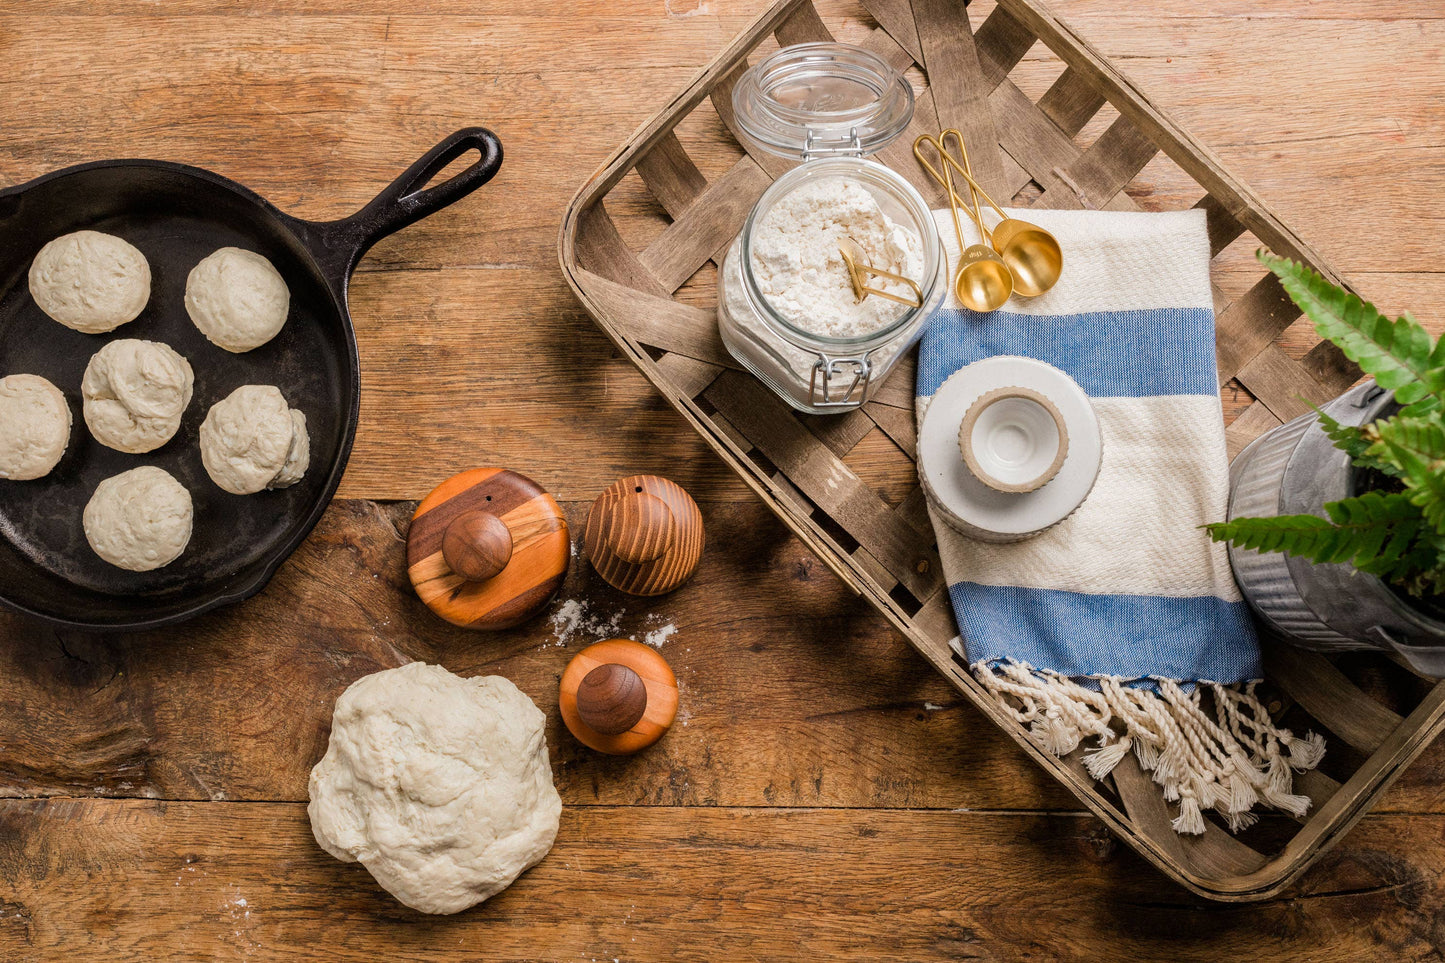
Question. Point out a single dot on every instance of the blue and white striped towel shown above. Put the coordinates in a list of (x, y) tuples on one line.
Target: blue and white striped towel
[(1113, 623)]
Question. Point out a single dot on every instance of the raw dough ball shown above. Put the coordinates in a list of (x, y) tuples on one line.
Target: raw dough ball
[(135, 393), (89, 281), (237, 299), (439, 785), (251, 440), (139, 519), (298, 459), (34, 426)]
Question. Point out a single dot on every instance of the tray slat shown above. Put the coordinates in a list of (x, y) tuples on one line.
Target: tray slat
[(1251, 324), (671, 176), (1071, 102), (960, 92), (706, 227), (1325, 693), (797, 464)]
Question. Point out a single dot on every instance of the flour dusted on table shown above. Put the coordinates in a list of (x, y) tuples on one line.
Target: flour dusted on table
[(800, 270)]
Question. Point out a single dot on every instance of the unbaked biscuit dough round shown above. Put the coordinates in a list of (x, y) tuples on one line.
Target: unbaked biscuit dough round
[(237, 299), (90, 281), (140, 519), (439, 785), (134, 393), (34, 426), (249, 441), (298, 459)]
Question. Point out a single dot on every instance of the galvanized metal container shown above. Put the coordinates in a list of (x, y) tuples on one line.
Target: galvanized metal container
[(1295, 469)]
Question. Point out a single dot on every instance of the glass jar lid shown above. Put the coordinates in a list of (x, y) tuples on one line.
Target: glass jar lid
[(823, 100)]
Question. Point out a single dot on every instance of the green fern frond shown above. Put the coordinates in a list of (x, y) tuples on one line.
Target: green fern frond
[(1400, 354), (1417, 446), (1426, 406), (1353, 441), (1383, 531), (1375, 532), (1422, 572)]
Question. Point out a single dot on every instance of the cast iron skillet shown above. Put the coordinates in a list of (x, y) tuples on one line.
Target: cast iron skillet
[(176, 215)]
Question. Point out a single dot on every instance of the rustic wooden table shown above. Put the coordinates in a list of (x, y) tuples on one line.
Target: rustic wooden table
[(823, 794)]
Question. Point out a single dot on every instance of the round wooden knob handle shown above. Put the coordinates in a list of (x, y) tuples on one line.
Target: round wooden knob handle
[(641, 528), (644, 535), (477, 545), (618, 696), (611, 698), (487, 549)]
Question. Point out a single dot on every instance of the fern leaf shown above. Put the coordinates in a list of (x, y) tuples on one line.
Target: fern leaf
[(1400, 354), (1378, 531), (1353, 441), (1422, 572), (1427, 405), (1375, 532), (1417, 446)]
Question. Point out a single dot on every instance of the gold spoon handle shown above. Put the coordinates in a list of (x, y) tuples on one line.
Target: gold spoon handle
[(966, 171), (857, 268), (946, 180)]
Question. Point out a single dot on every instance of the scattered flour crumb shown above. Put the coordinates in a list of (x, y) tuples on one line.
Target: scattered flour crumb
[(658, 636), (932, 706), (575, 617)]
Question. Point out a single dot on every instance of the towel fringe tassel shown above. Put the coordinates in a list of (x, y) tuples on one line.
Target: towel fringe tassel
[(1231, 762)]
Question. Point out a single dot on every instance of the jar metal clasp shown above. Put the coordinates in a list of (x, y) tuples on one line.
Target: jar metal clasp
[(826, 392), (852, 148)]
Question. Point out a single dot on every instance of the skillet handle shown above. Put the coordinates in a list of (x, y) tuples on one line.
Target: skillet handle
[(408, 199)]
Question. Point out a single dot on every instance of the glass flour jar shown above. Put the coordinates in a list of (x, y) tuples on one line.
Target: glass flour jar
[(829, 105)]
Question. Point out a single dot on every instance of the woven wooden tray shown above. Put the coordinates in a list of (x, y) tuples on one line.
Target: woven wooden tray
[(679, 191)]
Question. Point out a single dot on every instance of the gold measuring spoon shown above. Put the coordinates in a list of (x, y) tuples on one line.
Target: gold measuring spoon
[(859, 270), (983, 282), (1032, 254)]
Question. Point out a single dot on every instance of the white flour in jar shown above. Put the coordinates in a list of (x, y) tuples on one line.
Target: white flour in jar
[(800, 270)]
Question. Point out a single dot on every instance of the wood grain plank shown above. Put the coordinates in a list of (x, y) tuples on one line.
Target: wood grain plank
[(896, 18), (722, 101), (794, 692), (803, 25), (688, 375), (1250, 323), (1070, 103), (1253, 422), (1001, 42), (1222, 226), (1101, 171), (1282, 383), (665, 323), (960, 90), (246, 881), (827, 481), (602, 250)]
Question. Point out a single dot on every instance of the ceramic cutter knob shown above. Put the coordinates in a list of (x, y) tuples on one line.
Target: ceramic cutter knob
[(1013, 439), (618, 696), (488, 549), (644, 535)]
